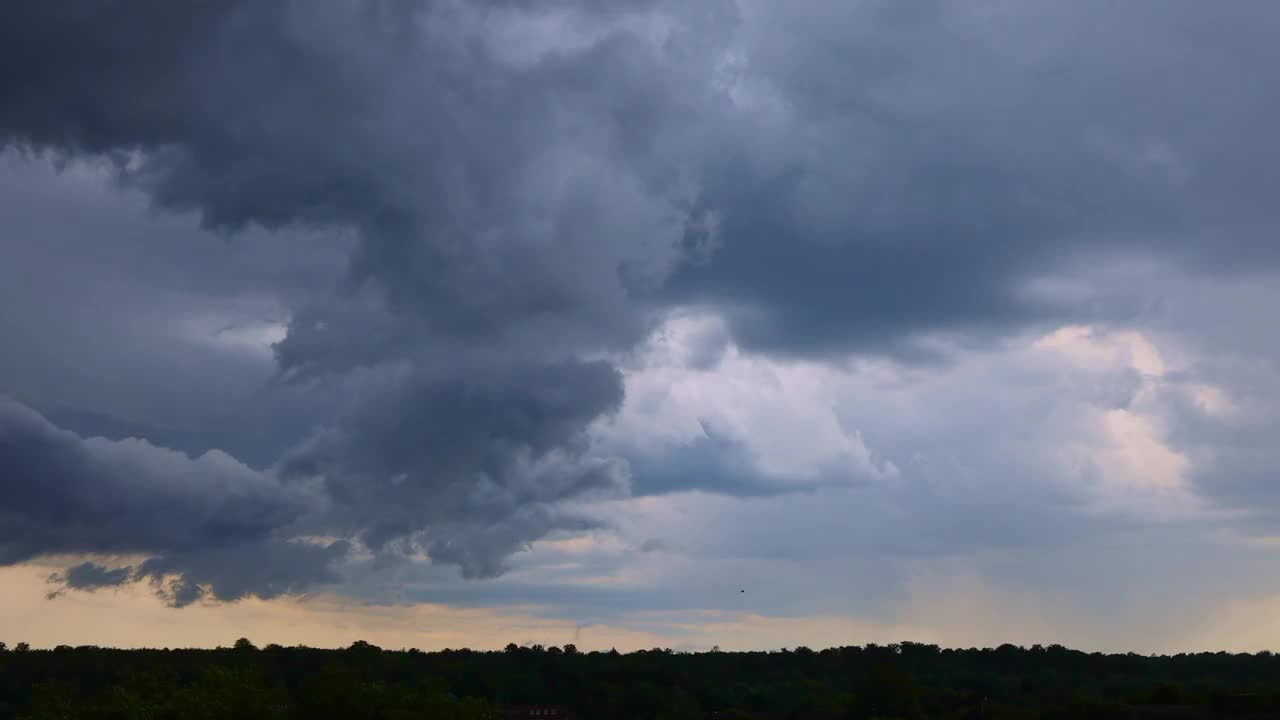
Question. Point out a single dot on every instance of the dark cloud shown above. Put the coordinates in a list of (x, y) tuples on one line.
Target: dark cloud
[(962, 153), (512, 203), (469, 462), (208, 522), (91, 576), (479, 200), (471, 179), (907, 173), (138, 324), (66, 494), (267, 570)]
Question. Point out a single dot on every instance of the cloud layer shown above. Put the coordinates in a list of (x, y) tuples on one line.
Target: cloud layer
[(613, 305)]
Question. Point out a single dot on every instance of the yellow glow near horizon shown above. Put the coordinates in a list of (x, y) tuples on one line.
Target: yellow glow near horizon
[(950, 613)]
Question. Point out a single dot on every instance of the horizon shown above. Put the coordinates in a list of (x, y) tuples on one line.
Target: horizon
[(564, 650)]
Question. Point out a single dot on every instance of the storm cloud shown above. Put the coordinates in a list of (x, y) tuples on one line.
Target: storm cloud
[(504, 228), (930, 168), (406, 279), (67, 494), (467, 467), (64, 494)]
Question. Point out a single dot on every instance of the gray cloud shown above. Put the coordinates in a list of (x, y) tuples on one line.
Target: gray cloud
[(267, 570), (1232, 450), (918, 170), (469, 178), (175, 322), (457, 208), (719, 464), (66, 494), (208, 522), (474, 459), (522, 216), (908, 204), (91, 576)]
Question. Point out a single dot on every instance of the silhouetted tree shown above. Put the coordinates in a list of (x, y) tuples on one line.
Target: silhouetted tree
[(902, 681)]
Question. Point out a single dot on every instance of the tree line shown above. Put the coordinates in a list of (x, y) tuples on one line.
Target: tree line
[(905, 681)]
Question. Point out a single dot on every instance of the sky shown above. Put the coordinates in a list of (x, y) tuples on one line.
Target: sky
[(640, 323)]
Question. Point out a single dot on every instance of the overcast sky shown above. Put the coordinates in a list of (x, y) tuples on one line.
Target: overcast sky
[(640, 323)]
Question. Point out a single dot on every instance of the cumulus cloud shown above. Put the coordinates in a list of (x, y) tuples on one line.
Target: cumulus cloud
[(1081, 416)]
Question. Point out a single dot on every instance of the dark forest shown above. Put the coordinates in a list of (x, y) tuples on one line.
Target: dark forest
[(907, 680)]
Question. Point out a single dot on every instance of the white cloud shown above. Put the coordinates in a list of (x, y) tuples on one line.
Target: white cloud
[(1079, 410), (782, 413), (1052, 445)]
